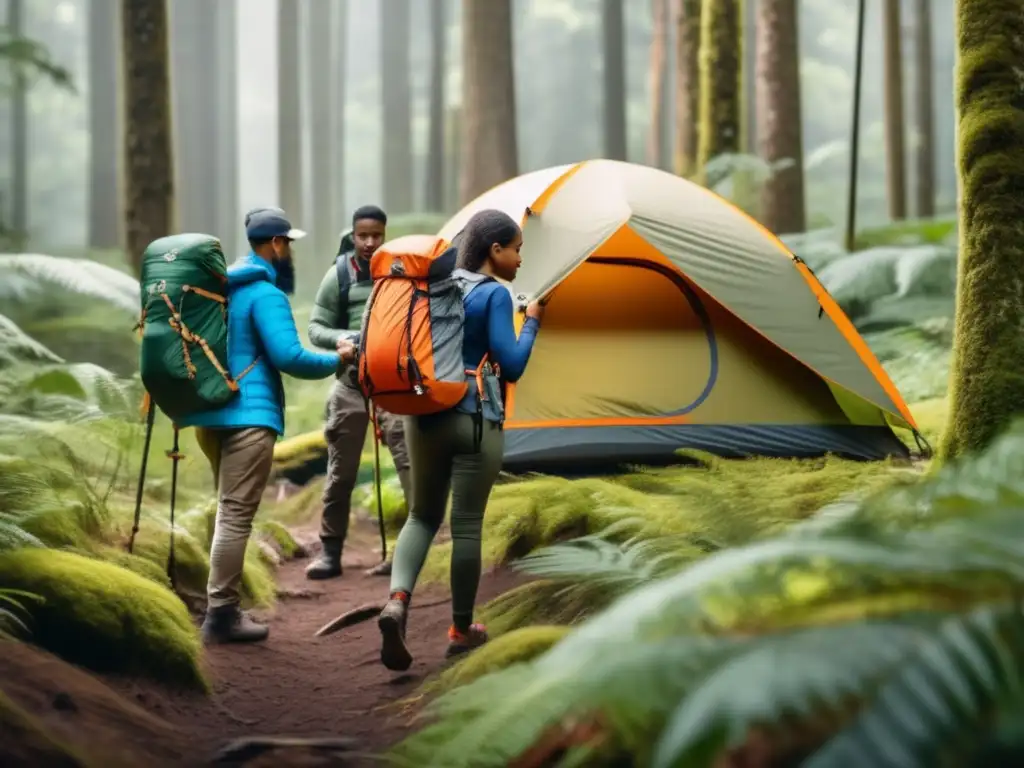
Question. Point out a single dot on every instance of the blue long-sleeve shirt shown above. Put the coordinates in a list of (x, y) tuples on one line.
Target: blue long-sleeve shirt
[(261, 327), (488, 329)]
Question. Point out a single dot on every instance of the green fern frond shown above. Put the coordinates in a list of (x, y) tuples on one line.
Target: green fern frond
[(792, 676), (17, 347), (947, 690), (29, 273)]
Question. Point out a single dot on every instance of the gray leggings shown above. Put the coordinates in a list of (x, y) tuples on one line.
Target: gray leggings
[(442, 457)]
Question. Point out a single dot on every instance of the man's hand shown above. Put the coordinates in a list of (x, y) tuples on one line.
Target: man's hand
[(346, 350)]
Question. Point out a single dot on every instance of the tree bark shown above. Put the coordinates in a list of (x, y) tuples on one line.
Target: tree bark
[(433, 196), (148, 145), (687, 20), (338, 126), (396, 95), (720, 86), (19, 223), (489, 151), (895, 146), (321, 45), (289, 111), (613, 34), (104, 125), (987, 382), (194, 43), (658, 69), (924, 154), (778, 115), (227, 217)]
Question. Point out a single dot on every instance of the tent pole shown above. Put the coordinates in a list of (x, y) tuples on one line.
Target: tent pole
[(858, 69)]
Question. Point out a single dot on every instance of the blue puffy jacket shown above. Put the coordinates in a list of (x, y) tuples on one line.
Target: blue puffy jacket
[(260, 322)]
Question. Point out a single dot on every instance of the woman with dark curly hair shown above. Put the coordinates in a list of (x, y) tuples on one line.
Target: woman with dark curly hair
[(462, 448)]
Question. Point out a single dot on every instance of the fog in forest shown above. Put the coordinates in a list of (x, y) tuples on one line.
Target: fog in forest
[(225, 107)]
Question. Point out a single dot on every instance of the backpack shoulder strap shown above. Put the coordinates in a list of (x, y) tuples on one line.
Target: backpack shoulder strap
[(344, 280)]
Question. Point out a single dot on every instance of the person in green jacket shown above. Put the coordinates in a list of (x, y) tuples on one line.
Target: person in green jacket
[(338, 314)]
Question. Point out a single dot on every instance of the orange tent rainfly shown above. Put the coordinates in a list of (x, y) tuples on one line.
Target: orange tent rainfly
[(676, 321)]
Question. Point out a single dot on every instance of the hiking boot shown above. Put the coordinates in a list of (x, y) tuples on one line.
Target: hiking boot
[(381, 569), (464, 642), (393, 653), (328, 563), (227, 624)]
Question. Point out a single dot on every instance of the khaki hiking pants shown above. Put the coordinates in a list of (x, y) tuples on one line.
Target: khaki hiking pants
[(241, 460), (345, 433)]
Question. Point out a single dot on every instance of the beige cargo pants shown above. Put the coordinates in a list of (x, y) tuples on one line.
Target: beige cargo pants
[(241, 460), (345, 434)]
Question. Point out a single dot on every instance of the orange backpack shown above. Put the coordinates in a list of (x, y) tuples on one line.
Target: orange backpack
[(410, 350)]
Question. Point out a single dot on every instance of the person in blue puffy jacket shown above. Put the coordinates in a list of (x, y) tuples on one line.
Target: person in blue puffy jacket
[(239, 438)]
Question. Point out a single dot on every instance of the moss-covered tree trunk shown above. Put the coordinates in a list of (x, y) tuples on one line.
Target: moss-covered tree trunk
[(148, 146), (987, 382), (778, 115), (687, 85), (490, 153), (721, 88)]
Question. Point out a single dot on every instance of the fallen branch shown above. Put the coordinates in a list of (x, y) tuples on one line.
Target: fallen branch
[(245, 749), (365, 613)]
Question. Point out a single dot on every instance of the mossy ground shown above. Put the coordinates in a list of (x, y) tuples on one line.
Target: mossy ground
[(516, 646), (716, 503), (105, 617)]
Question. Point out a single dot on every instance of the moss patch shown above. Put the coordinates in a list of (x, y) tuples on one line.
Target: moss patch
[(280, 537), (718, 503), (501, 652), (104, 617), (192, 564), (26, 742)]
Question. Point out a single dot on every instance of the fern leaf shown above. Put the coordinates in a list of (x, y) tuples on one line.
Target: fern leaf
[(16, 346), (27, 273), (790, 674), (949, 687)]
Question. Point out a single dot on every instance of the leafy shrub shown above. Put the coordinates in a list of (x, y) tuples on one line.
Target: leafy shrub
[(819, 644)]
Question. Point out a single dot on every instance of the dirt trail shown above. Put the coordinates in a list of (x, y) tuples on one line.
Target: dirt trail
[(294, 684)]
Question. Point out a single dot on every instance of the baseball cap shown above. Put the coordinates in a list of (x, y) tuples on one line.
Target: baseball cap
[(263, 223)]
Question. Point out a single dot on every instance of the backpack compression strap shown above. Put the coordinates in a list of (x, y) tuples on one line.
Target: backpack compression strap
[(344, 281), (188, 337)]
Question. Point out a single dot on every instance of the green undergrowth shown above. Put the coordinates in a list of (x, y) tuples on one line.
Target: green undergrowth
[(104, 617), (715, 503), (829, 635), (512, 648), (32, 743)]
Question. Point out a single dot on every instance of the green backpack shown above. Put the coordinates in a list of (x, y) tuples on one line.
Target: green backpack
[(184, 325)]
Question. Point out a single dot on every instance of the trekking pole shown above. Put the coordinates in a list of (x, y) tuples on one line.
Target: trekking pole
[(376, 482), (175, 456), (150, 414)]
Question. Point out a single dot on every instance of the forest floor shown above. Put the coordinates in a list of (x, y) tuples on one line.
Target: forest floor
[(293, 685)]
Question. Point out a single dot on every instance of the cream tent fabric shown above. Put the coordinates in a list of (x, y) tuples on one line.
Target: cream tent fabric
[(674, 321)]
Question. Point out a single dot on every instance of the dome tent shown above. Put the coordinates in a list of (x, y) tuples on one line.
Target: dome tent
[(676, 321)]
